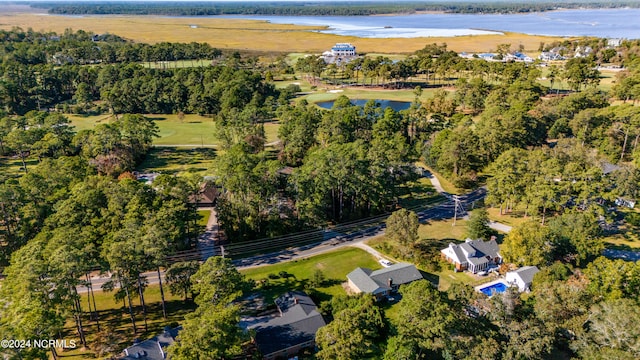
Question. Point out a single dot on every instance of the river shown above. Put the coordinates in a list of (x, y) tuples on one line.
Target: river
[(606, 23)]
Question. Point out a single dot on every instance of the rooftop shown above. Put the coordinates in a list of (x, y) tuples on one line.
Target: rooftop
[(298, 323)]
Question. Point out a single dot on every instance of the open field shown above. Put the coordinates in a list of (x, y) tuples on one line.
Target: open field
[(193, 130), (252, 35), (335, 265), (178, 160)]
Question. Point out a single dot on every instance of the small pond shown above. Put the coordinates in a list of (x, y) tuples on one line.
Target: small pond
[(395, 105)]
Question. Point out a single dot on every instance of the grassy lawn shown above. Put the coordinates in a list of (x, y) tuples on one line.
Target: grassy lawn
[(512, 219), (178, 160), (12, 167), (443, 230), (304, 85), (627, 237), (192, 130), (446, 184), (335, 265), (204, 217), (417, 193)]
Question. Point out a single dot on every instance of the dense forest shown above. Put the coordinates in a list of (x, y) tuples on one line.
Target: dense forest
[(561, 158), (335, 8)]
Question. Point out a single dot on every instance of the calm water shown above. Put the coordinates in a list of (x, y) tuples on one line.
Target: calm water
[(608, 23), (395, 105)]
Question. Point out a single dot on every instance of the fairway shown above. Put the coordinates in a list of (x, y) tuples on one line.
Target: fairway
[(191, 131), (240, 34)]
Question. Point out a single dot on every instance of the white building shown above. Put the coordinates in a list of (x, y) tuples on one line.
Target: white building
[(340, 53), (522, 278), (343, 50)]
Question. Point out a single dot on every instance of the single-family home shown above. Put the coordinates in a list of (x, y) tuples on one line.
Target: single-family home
[(291, 330), (473, 255), (522, 278), (154, 348), (383, 282)]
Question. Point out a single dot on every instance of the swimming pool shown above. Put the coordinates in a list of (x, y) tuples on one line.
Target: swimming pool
[(495, 288)]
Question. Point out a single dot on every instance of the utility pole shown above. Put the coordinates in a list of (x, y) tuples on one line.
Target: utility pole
[(457, 205), (222, 251)]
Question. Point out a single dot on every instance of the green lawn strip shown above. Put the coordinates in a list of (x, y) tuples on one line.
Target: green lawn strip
[(417, 193), (203, 217), (446, 184), (178, 160), (12, 166), (271, 131), (335, 265)]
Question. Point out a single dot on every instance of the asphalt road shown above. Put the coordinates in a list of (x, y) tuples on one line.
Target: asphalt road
[(333, 240)]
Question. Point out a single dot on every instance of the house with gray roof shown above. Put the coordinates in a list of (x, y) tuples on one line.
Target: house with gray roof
[(291, 330), (154, 348), (473, 255), (384, 281), (522, 278)]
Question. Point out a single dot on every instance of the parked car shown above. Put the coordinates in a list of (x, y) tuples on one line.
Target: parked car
[(385, 262)]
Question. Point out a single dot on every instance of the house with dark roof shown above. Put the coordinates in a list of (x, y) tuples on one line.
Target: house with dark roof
[(289, 331), (473, 255), (522, 278), (154, 348), (384, 281)]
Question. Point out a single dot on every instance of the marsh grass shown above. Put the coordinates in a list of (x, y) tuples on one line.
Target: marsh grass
[(240, 34)]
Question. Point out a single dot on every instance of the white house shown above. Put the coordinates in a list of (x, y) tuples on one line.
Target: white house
[(473, 255), (522, 278)]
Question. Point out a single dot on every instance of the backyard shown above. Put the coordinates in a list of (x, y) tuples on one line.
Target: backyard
[(296, 275)]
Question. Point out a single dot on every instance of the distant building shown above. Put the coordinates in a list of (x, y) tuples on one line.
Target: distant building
[(522, 278), (473, 255), (583, 51), (614, 42), (154, 348), (291, 330), (381, 283), (340, 52), (343, 50), (550, 56), (518, 56)]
